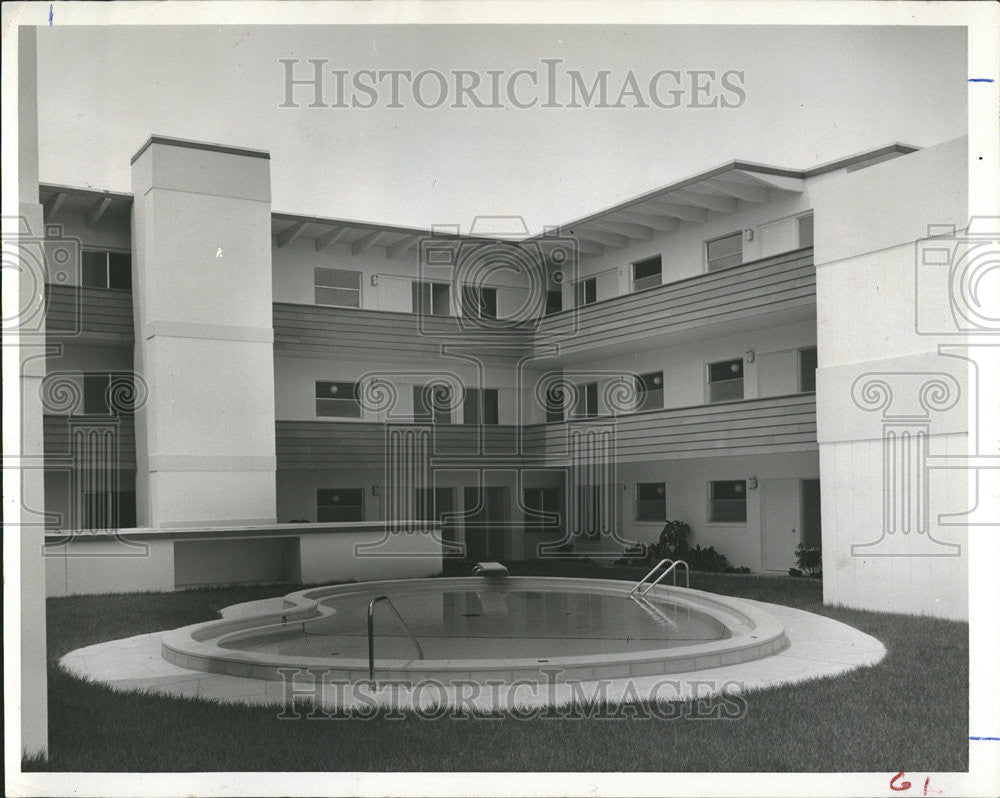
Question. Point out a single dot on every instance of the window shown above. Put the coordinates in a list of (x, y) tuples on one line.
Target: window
[(725, 380), (97, 393), (807, 369), (338, 287), (103, 269), (440, 399), (538, 501), (553, 302), (586, 400), (647, 273), (481, 406), (805, 225), (340, 504), (337, 400), (431, 299), (649, 391), (555, 410), (727, 501), (585, 291), (479, 302), (725, 251), (650, 501)]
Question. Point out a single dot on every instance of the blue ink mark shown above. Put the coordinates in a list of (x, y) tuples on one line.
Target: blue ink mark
[(981, 80), (50, 15), (984, 738)]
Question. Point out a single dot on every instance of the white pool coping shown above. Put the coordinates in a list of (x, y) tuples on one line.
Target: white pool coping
[(818, 647)]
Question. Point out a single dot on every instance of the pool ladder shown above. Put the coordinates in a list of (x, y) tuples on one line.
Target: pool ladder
[(371, 635), (671, 568)]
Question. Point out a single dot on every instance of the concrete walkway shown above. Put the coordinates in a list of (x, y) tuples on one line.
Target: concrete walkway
[(818, 647)]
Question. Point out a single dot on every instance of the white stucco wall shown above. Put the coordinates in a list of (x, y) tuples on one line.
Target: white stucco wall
[(878, 375), (202, 302)]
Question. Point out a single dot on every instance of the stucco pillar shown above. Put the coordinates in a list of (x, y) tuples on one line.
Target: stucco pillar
[(201, 288), (26, 242), (892, 408)]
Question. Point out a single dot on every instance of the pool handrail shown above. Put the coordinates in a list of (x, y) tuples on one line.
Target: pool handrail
[(371, 635), (671, 568)]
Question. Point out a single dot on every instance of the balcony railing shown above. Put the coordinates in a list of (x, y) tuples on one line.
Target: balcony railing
[(89, 314), (779, 283), (751, 426), (57, 440), (784, 282), (379, 334), (340, 444)]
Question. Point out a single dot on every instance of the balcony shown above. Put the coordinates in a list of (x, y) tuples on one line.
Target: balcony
[(732, 298), (95, 315), (353, 445), (379, 334), (771, 425), (56, 431)]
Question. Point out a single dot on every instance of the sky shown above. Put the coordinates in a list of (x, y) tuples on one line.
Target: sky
[(809, 95)]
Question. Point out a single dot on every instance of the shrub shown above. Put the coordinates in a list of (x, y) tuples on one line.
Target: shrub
[(673, 544), (707, 559), (809, 560)]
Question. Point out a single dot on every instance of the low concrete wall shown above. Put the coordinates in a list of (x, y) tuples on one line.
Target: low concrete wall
[(136, 560)]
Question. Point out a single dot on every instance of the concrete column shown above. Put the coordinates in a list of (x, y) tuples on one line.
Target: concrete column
[(201, 288), (27, 242), (890, 406)]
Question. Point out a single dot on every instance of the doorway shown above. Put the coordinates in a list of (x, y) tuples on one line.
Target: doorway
[(485, 523), (780, 527), (790, 515)]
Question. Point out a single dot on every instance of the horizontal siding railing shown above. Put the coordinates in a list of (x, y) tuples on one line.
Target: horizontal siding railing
[(332, 444), (56, 438), (751, 426), (764, 286), (375, 333), (89, 313), (767, 285)]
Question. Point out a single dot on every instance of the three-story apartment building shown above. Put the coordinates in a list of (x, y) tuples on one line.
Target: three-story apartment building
[(224, 363)]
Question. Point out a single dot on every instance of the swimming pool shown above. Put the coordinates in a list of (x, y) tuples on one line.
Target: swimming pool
[(483, 628)]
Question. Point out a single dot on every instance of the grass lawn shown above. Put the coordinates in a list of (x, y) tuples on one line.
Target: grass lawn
[(909, 713)]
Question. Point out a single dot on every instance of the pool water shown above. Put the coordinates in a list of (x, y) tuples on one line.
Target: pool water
[(492, 620), (481, 628)]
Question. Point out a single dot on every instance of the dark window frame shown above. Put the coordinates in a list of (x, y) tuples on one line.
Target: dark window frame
[(645, 282), (727, 259), (356, 508), (348, 396), (115, 276), (485, 406), (432, 294), (719, 389), (727, 501), (587, 401), (439, 413), (318, 287), (585, 292), (549, 501), (650, 509), (646, 397), (807, 365)]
